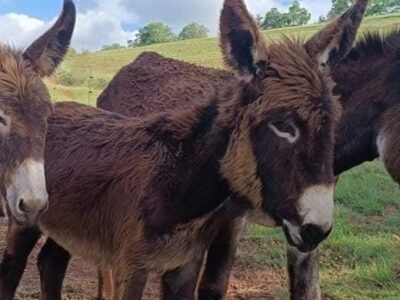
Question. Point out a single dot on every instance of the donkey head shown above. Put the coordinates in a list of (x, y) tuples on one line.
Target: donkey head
[(280, 155), (24, 108)]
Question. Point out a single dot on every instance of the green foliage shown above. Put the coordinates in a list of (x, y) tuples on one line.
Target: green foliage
[(274, 19), (376, 7), (99, 83), (296, 16), (154, 33), (194, 31), (114, 46), (67, 78)]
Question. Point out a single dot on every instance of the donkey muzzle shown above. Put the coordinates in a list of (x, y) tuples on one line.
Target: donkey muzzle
[(316, 210), (27, 195)]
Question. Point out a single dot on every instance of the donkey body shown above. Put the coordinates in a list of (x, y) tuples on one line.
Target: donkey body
[(24, 108), (151, 194)]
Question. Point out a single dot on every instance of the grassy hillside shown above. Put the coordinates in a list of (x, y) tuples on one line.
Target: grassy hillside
[(362, 258), (104, 64)]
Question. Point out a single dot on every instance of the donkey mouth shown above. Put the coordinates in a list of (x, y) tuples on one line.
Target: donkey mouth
[(26, 220), (306, 238)]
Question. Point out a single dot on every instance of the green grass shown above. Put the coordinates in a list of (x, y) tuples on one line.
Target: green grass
[(361, 260)]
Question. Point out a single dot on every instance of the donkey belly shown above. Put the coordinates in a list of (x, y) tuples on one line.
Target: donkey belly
[(78, 243)]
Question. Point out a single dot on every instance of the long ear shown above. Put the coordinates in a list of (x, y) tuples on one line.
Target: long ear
[(242, 43), (47, 52), (332, 43)]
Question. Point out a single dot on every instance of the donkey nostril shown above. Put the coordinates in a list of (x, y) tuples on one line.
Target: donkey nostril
[(22, 206), (312, 234)]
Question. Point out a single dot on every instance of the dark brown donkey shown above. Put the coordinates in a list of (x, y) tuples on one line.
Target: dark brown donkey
[(367, 130), (141, 195), (24, 108)]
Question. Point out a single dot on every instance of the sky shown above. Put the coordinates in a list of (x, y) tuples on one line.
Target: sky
[(104, 22)]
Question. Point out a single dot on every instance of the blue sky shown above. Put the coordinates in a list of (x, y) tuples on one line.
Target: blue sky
[(23, 20), (43, 9)]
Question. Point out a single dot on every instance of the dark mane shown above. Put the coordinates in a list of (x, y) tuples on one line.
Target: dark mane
[(374, 43)]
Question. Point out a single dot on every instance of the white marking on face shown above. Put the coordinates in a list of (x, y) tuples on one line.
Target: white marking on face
[(291, 138), (381, 144), (29, 186), (294, 232), (316, 206), (5, 123)]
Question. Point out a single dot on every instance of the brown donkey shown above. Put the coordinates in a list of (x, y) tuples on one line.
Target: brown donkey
[(150, 194), (366, 131), (24, 108)]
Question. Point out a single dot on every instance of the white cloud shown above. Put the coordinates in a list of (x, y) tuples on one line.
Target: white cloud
[(95, 27), (99, 22), (17, 29)]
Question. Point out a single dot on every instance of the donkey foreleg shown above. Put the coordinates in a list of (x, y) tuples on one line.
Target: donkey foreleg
[(220, 258), (303, 275), (52, 264), (129, 277), (181, 283), (20, 242)]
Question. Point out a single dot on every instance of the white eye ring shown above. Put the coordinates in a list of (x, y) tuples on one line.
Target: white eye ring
[(286, 135)]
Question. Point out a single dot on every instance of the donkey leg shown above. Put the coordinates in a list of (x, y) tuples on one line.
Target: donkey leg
[(20, 242), (130, 280), (52, 264), (303, 275), (220, 258), (181, 283)]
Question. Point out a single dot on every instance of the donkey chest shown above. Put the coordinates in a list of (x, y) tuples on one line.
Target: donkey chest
[(184, 244)]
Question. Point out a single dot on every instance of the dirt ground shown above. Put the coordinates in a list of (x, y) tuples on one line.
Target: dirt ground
[(247, 282)]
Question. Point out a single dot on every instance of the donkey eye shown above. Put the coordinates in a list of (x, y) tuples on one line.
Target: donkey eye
[(3, 121), (285, 130)]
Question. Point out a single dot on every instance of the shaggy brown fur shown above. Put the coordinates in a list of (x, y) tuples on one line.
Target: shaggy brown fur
[(141, 195), (25, 102)]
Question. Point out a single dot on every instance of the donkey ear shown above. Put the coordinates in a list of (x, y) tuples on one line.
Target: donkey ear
[(241, 40), (47, 52), (333, 43)]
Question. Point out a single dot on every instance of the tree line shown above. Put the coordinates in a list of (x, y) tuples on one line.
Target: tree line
[(158, 32)]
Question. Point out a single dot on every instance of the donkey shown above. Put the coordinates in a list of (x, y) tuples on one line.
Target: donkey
[(24, 108), (366, 131), (136, 195)]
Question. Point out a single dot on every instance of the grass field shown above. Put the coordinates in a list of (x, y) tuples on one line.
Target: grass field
[(361, 260)]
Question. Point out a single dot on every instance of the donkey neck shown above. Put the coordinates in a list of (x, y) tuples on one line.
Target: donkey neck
[(363, 95), (194, 187)]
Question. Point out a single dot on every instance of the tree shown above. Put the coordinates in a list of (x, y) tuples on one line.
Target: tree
[(131, 43), (259, 20), (153, 33), (338, 7), (273, 19), (296, 16), (194, 31), (114, 46), (376, 7), (322, 19)]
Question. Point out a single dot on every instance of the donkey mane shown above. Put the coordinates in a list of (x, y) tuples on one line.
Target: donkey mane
[(375, 43)]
